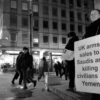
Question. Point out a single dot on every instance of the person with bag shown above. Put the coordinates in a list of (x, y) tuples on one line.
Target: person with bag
[(71, 65), (43, 72), (43, 67)]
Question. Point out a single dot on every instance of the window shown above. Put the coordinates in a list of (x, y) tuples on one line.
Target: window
[(36, 25), (25, 37), (13, 4), (35, 0), (13, 37), (45, 39), (63, 13), (80, 28), (35, 10), (45, 1), (54, 12), (63, 40), (79, 16), (79, 3), (71, 16), (54, 1), (45, 24), (55, 40), (13, 19), (72, 27), (63, 26), (85, 3), (71, 3), (24, 6), (55, 25), (45, 10), (24, 21), (36, 42), (63, 1), (86, 17)]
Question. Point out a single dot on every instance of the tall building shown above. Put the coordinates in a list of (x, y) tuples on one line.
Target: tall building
[(51, 21)]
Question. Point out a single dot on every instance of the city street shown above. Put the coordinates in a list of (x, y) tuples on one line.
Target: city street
[(10, 92)]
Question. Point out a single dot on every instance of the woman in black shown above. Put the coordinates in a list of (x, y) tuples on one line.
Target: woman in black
[(71, 64)]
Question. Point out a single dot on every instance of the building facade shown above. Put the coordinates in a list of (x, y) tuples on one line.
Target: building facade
[(51, 21)]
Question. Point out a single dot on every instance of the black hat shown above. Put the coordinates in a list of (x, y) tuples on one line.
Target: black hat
[(71, 34), (25, 48)]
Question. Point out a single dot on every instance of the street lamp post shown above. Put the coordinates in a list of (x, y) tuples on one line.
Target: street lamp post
[(30, 21)]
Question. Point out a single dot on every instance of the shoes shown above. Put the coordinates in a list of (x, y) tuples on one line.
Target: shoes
[(25, 88), (71, 89), (12, 82), (35, 82), (38, 78)]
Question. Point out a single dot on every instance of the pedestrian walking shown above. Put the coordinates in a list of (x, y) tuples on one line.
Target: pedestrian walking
[(43, 71), (56, 68), (18, 72), (43, 67), (70, 62), (59, 68), (64, 69), (27, 64)]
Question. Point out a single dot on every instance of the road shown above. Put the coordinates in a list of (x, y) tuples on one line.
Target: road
[(10, 92)]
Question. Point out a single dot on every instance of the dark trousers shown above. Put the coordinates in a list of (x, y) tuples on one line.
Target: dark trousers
[(24, 78), (28, 77), (71, 70), (21, 77), (17, 74)]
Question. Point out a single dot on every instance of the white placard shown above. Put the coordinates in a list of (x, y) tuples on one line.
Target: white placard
[(87, 65)]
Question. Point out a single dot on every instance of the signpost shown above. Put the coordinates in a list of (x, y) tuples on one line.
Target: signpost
[(31, 24), (87, 65)]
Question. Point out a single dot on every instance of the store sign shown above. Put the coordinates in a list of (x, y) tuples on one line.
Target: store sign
[(87, 65)]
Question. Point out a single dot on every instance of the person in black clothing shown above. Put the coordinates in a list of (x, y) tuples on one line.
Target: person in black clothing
[(59, 68), (27, 66), (64, 69), (92, 30), (71, 64), (56, 68), (18, 70)]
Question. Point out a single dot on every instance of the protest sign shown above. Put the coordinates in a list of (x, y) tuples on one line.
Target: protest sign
[(87, 65)]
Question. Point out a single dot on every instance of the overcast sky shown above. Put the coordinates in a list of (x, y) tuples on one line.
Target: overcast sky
[(97, 4)]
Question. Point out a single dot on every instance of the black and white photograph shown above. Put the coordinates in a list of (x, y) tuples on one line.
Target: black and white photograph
[(49, 49)]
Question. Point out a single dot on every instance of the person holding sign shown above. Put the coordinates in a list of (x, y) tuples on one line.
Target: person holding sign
[(71, 65), (94, 28)]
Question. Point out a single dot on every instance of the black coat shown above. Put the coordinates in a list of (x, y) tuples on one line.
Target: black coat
[(93, 29), (70, 45), (19, 60), (27, 61)]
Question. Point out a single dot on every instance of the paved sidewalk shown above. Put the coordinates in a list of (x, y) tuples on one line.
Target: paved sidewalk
[(62, 91)]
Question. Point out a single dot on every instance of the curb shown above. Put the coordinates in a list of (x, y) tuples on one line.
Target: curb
[(69, 95)]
